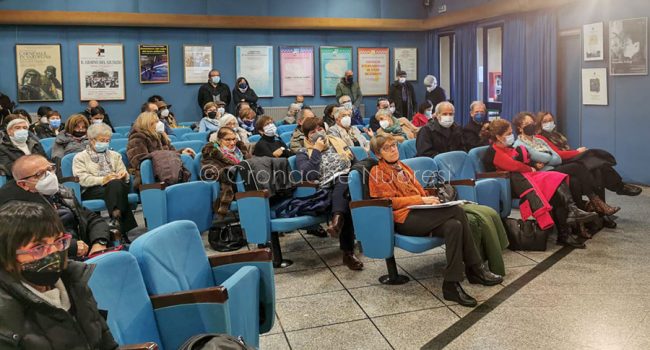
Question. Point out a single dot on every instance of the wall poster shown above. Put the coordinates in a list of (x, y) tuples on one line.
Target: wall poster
[(255, 63), (628, 46), (592, 35), (594, 86), (154, 63), (101, 72), (373, 65), (296, 70), (334, 61), (38, 68), (197, 63), (406, 59)]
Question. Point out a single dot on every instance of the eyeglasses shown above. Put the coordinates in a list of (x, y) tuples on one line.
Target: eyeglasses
[(39, 174), (42, 250), (389, 147)]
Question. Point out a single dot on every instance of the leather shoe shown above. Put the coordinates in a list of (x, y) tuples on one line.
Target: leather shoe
[(608, 222), (601, 207), (569, 241), (629, 190), (351, 261), (334, 229), (582, 232), (479, 274), (452, 291), (317, 231)]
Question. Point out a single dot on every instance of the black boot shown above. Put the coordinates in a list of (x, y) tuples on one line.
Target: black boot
[(566, 239), (575, 214), (479, 274), (452, 291), (609, 222)]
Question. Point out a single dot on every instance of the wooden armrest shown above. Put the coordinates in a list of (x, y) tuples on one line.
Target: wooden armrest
[(371, 203), (464, 182), (237, 257), (206, 295), (493, 174), (153, 186), (69, 179), (247, 194), (307, 184), (143, 346)]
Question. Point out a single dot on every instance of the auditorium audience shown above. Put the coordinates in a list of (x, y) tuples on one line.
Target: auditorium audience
[(243, 92), (348, 87), (441, 134), (102, 175), (41, 115), (392, 179), (246, 119), (15, 143), (229, 121), (214, 90), (292, 113), (51, 128), (388, 125), (166, 116), (88, 113), (346, 132), (269, 145), (403, 95), (328, 118), (472, 130), (323, 159), (382, 103), (46, 302), (435, 93), (210, 120), (346, 102), (424, 114), (298, 138), (73, 139)]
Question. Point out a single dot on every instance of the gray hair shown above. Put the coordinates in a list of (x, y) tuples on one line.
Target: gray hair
[(383, 112), (301, 114), (428, 80), (100, 129), (344, 96), (444, 104), (476, 104), (338, 110)]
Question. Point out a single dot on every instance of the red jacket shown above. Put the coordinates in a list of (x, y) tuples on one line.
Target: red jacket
[(419, 120), (504, 160), (565, 155)]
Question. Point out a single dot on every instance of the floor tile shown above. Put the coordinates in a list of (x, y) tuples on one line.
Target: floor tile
[(302, 260), (305, 282), (479, 292), (514, 259), (274, 342), (513, 273), (277, 328), (424, 266), (383, 300), (333, 256), (413, 329), (321, 242), (317, 310), (293, 242), (359, 335), (369, 276)]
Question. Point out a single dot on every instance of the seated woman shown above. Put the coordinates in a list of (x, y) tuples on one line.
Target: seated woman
[(210, 120), (392, 179), (328, 115), (599, 162), (102, 175), (323, 159), (246, 120), (424, 114), (344, 130), (219, 155), (292, 114), (388, 125), (229, 121), (543, 194), (98, 115), (580, 181), (46, 302), (50, 129), (408, 127), (269, 144), (15, 143), (73, 138)]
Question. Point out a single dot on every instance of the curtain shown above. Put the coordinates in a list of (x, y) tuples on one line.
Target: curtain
[(433, 54), (463, 87)]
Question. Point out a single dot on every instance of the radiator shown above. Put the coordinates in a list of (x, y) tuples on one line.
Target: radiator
[(278, 113)]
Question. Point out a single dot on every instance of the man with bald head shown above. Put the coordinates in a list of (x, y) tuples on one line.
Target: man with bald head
[(347, 86), (35, 181), (93, 104)]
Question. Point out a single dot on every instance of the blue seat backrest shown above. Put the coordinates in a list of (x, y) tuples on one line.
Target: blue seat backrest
[(125, 158), (3, 180), (286, 137), (117, 286), (286, 128), (47, 144), (476, 157), (355, 186), (455, 165), (254, 138), (359, 152), (407, 149), (179, 132), (172, 258), (187, 124), (200, 136), (191, 201), (124, 130), (118, 143), (66, 164), (423, 168), (196, 145)]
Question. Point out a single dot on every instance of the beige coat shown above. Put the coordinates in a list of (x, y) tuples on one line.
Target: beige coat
[(86, 170)]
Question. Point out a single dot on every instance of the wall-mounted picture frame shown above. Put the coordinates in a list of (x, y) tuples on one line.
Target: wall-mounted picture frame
[(255, 63), (628, 46), (594, 86), (334, 62), (592, 42), (296, 70), (372, 67), (101, 72), (39, 74), (153, 63), (406, 59), (197, 63)]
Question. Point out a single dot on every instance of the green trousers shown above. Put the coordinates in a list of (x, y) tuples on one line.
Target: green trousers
[(489, 235)]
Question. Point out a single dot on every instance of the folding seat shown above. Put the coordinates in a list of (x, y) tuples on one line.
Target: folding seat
[(124, 130), (195, 145), (117, 144), (407, 149), (179, 132), (359, 152), (195, 136), (187, 124), (286, 128), (47, 144), (286, 137), (254, 138)]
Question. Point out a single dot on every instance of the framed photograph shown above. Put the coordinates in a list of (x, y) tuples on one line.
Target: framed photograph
[(406, 59), (255, 63), (101, 72), (372, 67), (594, 86), (628, 46), (334, 61), (592, 44), (154, 63), (197, 63), (39, 75), (296, 70)]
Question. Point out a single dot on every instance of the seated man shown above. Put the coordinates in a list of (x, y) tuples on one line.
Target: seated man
[(346, 102), (15, 143), (478, 121), (298, 138), (441, 134), (35, 181)]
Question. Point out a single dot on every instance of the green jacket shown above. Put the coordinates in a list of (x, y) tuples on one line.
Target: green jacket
[(354, 91), (489, 235)]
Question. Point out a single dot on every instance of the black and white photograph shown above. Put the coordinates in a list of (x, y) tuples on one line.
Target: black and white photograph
[(594, 86), (101, 72), (628, 46), (39, 73), (593, 41)]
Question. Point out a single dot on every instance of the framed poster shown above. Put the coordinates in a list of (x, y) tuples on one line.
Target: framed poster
[(153, 63), (594, 86), (255, 63), (38, 69), (296, 70), (592, 35), (628, 46), (406, 59), (334, 62), (372, 65), (197, 63), (101, 72)]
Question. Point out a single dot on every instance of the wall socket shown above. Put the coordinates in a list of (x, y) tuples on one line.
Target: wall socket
[(442, 8)]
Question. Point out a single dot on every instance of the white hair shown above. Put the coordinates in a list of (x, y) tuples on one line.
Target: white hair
[(476, 104), (97, 130), (442, 104), (342, 97), (227, 118), (338, 111), (383, 112)]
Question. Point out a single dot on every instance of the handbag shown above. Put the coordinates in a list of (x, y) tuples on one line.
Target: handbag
[(437, 186), (525, 235), (226, 236), (214, 341)]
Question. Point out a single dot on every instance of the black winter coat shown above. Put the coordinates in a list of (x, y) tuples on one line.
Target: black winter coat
[(207, 91), (28, 322), (408, 109), (43, 131), (267, 145), (434, 139), (436, 96), (9, 152), (472, 135)]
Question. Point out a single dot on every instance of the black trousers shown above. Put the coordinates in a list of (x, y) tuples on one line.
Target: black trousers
[(341, 205), (450, 223), (115, 195), (581, 181), (607, 178)]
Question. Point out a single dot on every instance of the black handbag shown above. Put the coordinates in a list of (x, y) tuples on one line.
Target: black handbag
[(525, 235), (226, 237), (437, 186)]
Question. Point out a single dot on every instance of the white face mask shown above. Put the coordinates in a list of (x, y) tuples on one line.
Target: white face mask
[(430, 88), (44, 120), (164, 112), (347, 105), (384, 124), (97, 121), (160, 127), (446, 121), (346, 121), (48, 185), (402, 80), (510, 139), (221, 111), (270, 129), (548, 127), (434, 84), (392, 110)]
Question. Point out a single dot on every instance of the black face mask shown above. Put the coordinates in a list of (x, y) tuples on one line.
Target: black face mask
[(45, 271), (349, 79), (530, 129), (212, 115), (78, 133)]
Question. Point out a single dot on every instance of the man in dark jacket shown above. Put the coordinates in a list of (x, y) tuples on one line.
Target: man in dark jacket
[(402, 93), (435, 93), (472, 130), (347, 86), (441, 134), (214, 90), (14, 144), (35, 181)]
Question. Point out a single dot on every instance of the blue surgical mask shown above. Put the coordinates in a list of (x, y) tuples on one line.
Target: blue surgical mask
[(479, 118), (548, 127), (20, 136), (510, 139), (428, 114), (215, 80), (55, 123), (101, 147)]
